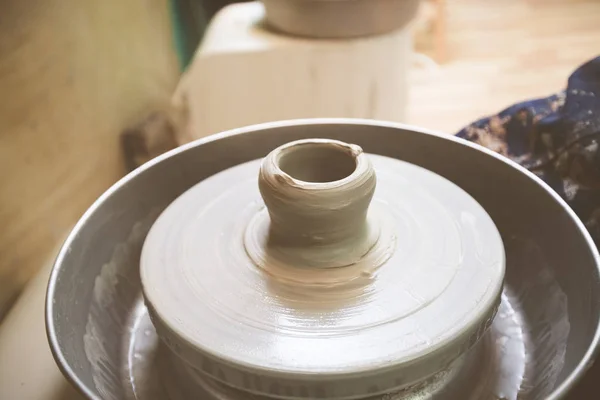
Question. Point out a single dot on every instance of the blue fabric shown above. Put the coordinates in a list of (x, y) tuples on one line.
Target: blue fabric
[(557, 138)]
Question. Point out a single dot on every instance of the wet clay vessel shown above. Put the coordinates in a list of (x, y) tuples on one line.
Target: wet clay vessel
[(263, 263), (322, 272)]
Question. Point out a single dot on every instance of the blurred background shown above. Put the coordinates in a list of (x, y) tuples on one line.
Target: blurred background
[(497, 53), (91, 89), (74, 76)]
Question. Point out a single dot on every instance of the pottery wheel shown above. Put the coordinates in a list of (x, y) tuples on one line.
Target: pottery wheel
[(338, 288)]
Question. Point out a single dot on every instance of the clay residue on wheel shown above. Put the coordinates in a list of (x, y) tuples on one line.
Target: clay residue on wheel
[(520, 358), (544, 306), (112, 312)]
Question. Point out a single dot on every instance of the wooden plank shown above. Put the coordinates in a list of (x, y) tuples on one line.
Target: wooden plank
[(73, 75)]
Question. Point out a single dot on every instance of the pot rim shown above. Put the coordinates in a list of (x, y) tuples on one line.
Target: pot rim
[(559, 392)]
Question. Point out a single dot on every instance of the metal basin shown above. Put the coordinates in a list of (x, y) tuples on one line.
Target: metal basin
[(105, 345)]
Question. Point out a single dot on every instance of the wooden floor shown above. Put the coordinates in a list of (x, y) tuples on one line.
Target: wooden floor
[(499, 53)]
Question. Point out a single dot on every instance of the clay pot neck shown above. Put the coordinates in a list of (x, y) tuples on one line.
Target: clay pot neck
[(318, 192)]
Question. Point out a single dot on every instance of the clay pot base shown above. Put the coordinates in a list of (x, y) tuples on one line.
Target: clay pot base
[(420, 298)]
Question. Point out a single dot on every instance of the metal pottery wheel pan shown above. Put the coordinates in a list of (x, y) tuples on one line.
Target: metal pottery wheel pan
[(552, 272)]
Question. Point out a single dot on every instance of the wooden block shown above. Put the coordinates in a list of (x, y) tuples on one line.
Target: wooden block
[(245, 74), (154, 135)]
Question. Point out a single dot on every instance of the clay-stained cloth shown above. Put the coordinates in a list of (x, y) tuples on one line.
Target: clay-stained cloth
[(557, 138)]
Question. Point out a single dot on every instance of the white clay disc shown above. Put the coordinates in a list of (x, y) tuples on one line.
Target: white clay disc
[(411, 317)]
